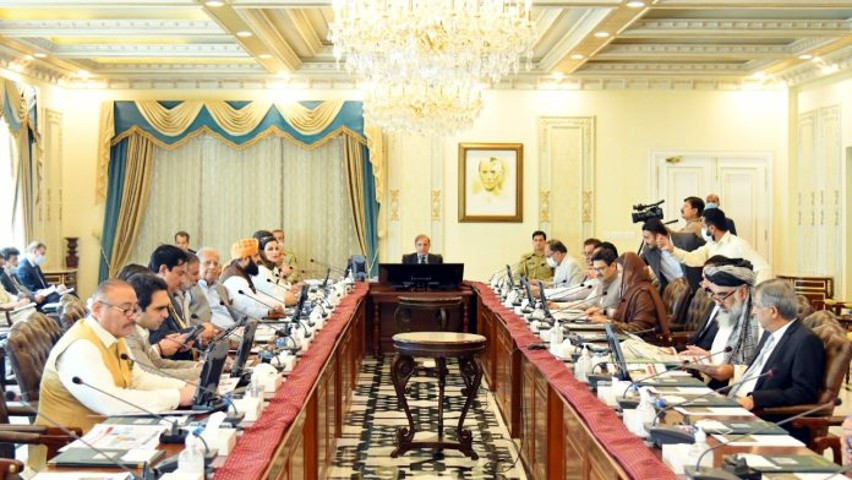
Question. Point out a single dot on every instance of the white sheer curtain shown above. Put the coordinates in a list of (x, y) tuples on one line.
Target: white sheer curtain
[(219, 195), (11, 212)]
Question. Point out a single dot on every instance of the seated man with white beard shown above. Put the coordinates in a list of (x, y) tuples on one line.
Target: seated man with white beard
[(729, 283)]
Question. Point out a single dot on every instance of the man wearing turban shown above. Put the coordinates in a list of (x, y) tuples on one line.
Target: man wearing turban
[(236, 277)]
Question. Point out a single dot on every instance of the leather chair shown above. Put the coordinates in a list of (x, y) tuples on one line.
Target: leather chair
[(28, 346), (676, 299), (439, 308), (803, 306), (700, 307), (17, 434), (70, 311), (838, 353)]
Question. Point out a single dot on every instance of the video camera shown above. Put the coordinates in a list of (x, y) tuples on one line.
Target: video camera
[(643, 213)]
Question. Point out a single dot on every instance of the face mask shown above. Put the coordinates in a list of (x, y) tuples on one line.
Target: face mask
[(251, 268), (551, 262), (39, 260), (10, 270), (710, 205), (706, 234)]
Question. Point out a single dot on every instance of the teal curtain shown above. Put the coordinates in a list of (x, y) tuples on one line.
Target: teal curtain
[(371, 213), (117, 170)]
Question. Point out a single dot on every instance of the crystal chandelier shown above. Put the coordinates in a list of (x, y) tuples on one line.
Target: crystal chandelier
[(438, 51)]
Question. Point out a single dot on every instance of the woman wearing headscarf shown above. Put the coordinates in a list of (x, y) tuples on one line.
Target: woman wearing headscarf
[(640, 308)]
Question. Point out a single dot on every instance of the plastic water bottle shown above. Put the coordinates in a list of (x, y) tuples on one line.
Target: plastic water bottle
[(697, 449), (556, 339), (645, 413), (191, 459), (582, 365)]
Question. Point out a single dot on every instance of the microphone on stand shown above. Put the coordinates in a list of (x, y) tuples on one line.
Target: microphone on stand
[(663, 410), (158, 371), (325, 265), (579, 287), (271, 307), (698, 472), (146, 471), (175, 435)]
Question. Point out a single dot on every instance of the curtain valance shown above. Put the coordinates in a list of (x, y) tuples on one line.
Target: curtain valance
[(239, 124)]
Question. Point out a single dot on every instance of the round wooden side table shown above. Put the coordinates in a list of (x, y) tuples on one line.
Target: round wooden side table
[(440, 346)]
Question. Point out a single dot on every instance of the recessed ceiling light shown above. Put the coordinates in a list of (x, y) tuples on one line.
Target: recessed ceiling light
[(244, 33), (806, 56), (558, 75), (83, 73), (601, 34), (214, 3), (758, 75), (284, 75), (40, 55), (264, 56), (577, 56), (635, 4)]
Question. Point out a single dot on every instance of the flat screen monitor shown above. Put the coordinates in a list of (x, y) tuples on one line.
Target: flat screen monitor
[(300, 305), (211, 372), (617, 355), (243, 352), (528, 290), (429, 276)]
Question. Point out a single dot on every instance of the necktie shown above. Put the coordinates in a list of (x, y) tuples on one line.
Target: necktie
[(422, 258), (753, 371)]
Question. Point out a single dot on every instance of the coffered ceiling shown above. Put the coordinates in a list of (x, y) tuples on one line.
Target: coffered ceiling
[(174, 43)]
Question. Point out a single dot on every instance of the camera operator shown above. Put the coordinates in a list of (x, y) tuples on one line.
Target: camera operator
[(665, 267), (691, 211)]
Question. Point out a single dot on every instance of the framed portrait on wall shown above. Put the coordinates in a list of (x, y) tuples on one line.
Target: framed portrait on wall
[(491, 182)]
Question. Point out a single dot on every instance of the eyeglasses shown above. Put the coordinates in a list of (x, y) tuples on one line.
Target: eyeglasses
[(130, 311), (718, 296)]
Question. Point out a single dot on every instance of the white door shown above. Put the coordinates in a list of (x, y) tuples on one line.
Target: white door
[(742, 181)]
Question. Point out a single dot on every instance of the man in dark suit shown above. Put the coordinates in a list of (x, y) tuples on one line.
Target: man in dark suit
[(32, 278), (791, 349), (422, 244), (665, 267), (170, 263)]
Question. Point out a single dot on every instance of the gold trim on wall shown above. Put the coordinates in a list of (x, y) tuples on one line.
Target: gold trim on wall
[(436, 205), (394, 205), (587, 206), (544, 206)]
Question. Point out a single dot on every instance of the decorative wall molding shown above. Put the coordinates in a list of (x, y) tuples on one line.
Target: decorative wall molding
[(436, 205), (394, 205), (544, 206), (667, 27), (566, 147), (117, 27)]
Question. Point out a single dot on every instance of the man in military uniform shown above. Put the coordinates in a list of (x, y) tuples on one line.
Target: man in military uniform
[(533, 265)]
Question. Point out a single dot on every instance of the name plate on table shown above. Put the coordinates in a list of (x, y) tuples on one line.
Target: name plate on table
[(673, 381), (85, 457), (739, 428)]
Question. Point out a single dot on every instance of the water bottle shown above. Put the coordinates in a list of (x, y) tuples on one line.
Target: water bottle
[(191, 459), (697, 449), (645, 413)]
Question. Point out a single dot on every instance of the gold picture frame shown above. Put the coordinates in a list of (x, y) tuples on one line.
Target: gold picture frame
[(491, 182)]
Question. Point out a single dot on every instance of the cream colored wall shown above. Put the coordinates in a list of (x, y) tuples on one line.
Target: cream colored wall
[(834, 91), (630, 124)]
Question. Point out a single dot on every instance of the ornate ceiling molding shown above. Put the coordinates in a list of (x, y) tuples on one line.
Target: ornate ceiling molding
[(720, 28), (106, 28)]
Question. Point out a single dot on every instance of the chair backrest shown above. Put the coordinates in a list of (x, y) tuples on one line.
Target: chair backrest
[(838, 351), (803, 306), (676, 299), (439, 307), (71, 311), (28, 345), (697, 312)]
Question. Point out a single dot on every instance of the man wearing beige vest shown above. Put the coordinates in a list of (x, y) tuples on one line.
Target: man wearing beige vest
[(92, 350)]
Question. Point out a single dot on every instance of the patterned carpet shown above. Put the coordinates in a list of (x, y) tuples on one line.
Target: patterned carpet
[(369, 431)]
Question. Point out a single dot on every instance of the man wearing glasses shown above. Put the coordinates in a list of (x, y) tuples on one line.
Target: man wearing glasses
[(728, 282), (92, 350)]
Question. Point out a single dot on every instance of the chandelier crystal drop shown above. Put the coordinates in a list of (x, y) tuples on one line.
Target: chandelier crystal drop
[(439, 51)]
